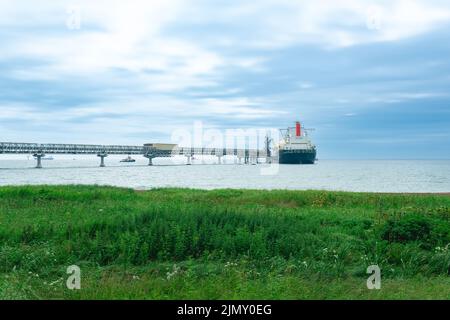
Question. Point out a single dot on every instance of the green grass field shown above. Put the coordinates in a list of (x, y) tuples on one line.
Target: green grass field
[(221, 244)]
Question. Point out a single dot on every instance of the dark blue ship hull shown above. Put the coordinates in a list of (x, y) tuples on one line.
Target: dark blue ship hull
[(297, 156)]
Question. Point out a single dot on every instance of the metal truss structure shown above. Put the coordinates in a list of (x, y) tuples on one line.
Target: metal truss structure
[(102, 151)]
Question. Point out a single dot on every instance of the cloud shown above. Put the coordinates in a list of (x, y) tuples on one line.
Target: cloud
[(139, 67), (274, 24)]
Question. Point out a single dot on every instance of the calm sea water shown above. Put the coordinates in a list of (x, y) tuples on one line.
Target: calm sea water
[(349, 175)]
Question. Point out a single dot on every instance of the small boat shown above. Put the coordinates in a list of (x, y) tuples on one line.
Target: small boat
[(128, 159)]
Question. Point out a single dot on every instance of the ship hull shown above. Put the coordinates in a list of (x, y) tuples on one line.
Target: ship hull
[(297, 156)]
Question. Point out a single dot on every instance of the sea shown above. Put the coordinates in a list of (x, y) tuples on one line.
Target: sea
[(412, 176)]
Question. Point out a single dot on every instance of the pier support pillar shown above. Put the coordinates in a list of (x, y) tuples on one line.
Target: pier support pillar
[(219, 159), (189, 160), (150, 159), (38, 156), (102, 159)]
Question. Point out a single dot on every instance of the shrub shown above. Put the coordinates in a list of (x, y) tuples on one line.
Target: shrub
[(408, 228)]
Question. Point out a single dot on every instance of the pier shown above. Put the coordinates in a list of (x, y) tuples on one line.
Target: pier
[(149, 151)]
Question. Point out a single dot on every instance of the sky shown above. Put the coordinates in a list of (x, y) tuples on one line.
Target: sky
[(371, 77)]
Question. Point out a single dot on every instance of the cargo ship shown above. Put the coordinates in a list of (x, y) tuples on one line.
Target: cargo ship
[(295, 146)]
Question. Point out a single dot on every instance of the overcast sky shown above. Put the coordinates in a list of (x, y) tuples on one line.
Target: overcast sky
[(372, 77)]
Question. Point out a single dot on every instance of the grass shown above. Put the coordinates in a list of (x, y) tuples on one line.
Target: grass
[(221, 244)]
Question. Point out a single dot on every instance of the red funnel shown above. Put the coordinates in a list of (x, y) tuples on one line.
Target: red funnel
[(298, 130)]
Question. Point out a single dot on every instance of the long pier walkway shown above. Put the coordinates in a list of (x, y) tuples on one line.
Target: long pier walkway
[(148, 151)]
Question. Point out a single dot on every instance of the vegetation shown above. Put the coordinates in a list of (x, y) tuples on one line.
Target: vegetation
[(221, 244)]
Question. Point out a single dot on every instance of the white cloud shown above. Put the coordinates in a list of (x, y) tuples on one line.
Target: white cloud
[(143, 56), (280, 23), (133, 115), (242, 108), (397, 97), (305, 85), (131, 35)]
